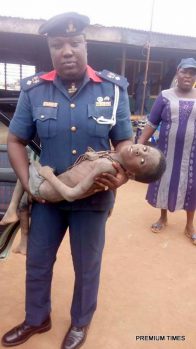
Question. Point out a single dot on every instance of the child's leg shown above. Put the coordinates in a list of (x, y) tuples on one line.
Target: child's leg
[(11, 213), (24, 225)]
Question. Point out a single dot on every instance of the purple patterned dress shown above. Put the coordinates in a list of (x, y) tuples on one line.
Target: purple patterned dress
[(177, 188)]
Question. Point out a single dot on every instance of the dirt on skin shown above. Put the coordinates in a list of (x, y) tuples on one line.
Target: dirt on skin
[(147, 284)]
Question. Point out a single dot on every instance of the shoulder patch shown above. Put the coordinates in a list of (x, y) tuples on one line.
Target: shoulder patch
[(114, 78), (31, 81)]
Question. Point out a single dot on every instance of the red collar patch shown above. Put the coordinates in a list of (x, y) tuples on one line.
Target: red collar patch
[(49, 76), (90, 72)]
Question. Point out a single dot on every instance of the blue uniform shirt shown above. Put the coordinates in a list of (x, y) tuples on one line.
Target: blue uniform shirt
[(68, 124)]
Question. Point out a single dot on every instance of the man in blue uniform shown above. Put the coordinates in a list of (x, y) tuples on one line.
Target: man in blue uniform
[(71, 108)]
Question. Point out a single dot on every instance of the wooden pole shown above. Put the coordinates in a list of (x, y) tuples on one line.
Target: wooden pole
[(148, 45)]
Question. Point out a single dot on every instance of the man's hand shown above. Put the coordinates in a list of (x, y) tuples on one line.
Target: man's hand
[(32, 198), (110, 181)]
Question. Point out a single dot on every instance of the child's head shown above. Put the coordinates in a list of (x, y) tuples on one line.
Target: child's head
[(144, 163)]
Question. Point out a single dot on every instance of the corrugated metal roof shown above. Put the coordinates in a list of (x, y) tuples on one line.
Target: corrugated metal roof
[(145, 31), (111, 34)]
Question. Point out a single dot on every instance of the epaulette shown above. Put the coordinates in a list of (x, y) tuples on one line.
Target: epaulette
[(31, 81), (114, 78)]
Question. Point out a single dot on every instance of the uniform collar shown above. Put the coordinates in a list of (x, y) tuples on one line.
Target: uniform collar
[(92, 74), (51, 76)]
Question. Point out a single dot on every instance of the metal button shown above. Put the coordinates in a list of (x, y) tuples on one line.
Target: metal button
[(72, 105), (42, 116), (73, 129), (74, 152)]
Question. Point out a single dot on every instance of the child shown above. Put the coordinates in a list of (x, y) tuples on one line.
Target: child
[(141, 163)]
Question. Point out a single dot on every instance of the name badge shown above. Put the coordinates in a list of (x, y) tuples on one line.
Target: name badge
[(103, 104), (50, 104)]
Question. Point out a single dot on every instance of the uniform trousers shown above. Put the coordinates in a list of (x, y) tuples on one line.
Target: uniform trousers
[(87, 236)]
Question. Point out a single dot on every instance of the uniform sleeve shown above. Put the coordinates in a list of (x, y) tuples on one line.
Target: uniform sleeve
[(22, 124), (123, 129), (155, 116)]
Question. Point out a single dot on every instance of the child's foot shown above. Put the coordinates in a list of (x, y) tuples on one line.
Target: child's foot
[(9, 217), (158, 226), (22, 246)]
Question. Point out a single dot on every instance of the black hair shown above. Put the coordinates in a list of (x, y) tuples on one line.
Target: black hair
[(153, 174)]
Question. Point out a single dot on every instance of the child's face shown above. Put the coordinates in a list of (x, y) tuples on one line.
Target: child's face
[(138, 158)]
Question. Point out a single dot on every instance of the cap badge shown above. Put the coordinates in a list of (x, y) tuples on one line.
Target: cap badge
[(70, 27)]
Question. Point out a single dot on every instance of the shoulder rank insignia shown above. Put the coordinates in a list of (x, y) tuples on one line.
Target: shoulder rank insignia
[(31, 81), (114, 78), (34, 80)]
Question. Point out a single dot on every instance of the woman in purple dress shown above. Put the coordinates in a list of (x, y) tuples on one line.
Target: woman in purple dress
[(175, 111)]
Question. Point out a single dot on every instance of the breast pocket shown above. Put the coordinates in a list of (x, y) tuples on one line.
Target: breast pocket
[(46, 121), (99, 120)]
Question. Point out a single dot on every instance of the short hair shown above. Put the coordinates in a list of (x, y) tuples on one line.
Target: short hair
[(153, 174)]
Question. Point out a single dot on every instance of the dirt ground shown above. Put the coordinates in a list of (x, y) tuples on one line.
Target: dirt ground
[(147, 284)]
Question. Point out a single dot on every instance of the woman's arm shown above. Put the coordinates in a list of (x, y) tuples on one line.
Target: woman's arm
[(153, 120), (146, 134)]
